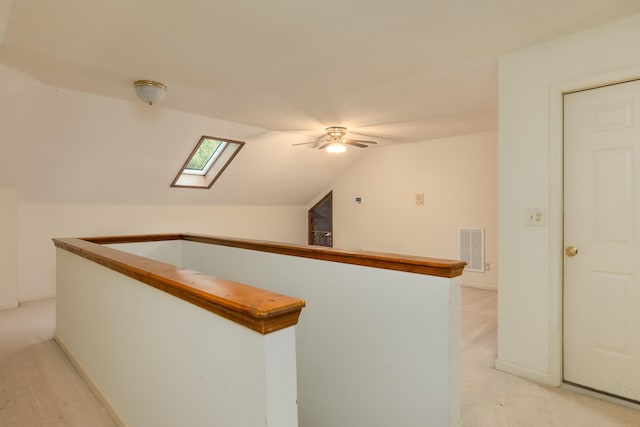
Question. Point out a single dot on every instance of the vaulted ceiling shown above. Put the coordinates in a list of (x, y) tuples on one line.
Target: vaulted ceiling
[(282, 70)]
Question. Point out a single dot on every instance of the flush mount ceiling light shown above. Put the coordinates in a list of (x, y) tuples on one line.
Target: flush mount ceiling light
[(150, 91)]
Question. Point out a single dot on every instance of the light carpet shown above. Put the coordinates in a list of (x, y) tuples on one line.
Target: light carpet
[(491, 398), (39, 387)]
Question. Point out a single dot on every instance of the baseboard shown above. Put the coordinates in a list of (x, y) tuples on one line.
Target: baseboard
[(480, 286), (521, 371), (36, 297), (9, 305), (88, 380)]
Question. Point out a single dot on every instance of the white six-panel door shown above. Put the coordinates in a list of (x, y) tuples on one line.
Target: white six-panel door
[(601, 221)]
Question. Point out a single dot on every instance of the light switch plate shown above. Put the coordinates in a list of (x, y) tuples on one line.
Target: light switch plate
[(535, 217)]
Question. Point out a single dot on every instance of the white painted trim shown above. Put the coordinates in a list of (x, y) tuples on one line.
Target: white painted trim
[(521, 371), (556, 235), (87, 379), (556, 205), (484, 286), (9, 305), (37, 297), (455, 357)]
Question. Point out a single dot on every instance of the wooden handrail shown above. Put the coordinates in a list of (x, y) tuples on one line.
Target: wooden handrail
[(257, 309), (411, 264)]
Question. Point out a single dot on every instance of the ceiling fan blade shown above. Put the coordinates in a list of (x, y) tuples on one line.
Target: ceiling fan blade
[(315, 143), (360, 141), (356, 144), (364, 134), (325, 145)]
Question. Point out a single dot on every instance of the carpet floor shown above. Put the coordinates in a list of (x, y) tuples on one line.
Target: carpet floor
[(491, 398), (40, 388)]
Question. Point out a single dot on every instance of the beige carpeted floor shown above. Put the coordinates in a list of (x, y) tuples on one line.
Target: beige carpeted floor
[(492, 398), (39, 387)]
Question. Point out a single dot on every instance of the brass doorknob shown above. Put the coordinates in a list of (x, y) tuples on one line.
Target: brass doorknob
[(571, 251)]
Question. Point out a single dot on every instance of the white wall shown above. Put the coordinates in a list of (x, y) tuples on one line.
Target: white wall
[(38, 224), (375, 347), (5, 8), (530, 171), (459, 179), (67, 148), (8, 249), (167, 251), (160, 361)]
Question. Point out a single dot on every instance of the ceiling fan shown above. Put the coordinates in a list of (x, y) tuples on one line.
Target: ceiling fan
[(334, 142)]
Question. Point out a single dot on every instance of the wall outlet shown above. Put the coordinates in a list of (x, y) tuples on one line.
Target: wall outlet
[(357, 200), (419, 199), (487, 266)]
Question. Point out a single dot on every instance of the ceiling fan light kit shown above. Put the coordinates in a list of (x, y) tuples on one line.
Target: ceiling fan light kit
[(336, 147), (334, 142), (150, 91), (336, 131)]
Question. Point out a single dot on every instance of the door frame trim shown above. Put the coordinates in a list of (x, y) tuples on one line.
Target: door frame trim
[(328, 196), (556, 204)]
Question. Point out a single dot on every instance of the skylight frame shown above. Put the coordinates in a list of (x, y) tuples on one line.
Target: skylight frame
[(217, 164)]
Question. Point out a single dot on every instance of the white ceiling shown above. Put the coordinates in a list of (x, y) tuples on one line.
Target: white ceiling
[(406, 71), (394, 72)]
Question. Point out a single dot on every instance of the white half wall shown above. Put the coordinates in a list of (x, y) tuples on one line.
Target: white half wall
[(459, 179), (8, 249), (39, 223), (375, 347), (158, 361), (530, 169)]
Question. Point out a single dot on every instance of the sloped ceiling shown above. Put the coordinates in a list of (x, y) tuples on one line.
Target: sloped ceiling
[(269, 72)]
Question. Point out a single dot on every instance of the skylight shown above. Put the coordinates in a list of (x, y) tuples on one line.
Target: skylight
[(205, 155), (207, 162)]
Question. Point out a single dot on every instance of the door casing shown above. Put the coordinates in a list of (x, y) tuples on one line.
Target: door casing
[(600, 310), (328, 198), (556, 202)]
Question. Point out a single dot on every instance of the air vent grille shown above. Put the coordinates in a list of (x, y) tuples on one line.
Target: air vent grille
[(472, 248)]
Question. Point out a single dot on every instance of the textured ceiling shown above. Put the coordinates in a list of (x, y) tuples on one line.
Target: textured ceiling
[(390, 71), (399, 71)]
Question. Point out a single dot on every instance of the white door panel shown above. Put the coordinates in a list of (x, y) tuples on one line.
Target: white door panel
[(602, 202)]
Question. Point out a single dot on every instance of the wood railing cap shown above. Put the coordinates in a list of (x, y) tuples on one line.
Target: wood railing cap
[(258, 309), (408, 263)]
